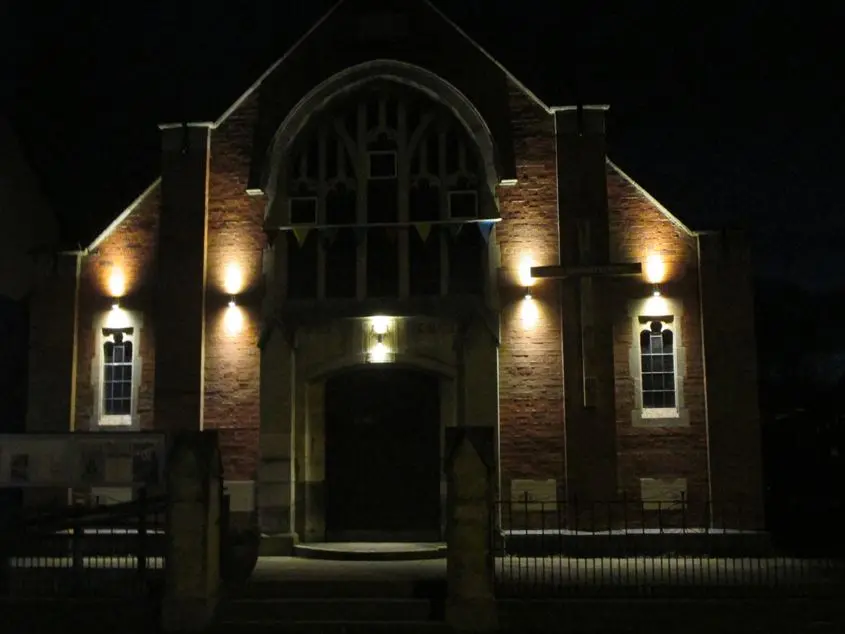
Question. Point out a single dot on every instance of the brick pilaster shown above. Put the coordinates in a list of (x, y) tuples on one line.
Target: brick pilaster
[(180, 288)]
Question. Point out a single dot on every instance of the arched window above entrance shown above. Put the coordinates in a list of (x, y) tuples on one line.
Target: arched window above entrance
[(412, 157), (389, 179)]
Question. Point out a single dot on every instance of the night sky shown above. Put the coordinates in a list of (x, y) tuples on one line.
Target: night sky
[(725, 113)]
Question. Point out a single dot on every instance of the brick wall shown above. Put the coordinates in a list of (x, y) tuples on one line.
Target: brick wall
[(639, 229), (130, 250), (530, 380), (235, 245)]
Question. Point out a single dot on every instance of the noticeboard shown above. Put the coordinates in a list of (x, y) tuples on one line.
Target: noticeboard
[(82, 459)]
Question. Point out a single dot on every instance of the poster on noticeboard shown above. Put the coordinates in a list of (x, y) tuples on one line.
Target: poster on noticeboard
[(81, 460)]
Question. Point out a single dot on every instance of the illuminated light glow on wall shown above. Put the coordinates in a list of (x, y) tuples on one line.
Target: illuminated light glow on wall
[(117, 283), (529, 313), (379, 353), (233, 280), (233, 320), (117, 318), (524, 272), (378, 336), (655, 269), (380, 325), (656, 306)]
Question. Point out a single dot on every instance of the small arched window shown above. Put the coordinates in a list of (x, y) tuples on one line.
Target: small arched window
[(118, 360), (657, 365)]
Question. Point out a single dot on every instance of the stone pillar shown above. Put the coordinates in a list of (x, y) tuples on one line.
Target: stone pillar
[(275, 474), (180, 285), (471, 602), (192, 571), (310, 489)]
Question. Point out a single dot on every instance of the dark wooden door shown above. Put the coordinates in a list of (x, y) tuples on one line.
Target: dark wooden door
[(383, 455)]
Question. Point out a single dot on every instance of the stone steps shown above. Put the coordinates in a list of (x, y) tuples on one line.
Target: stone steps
[(331, 627), (352, 604), (362, 551), (332, 610), (353, 588)]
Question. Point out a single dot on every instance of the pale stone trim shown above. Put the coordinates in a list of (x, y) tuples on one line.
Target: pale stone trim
[(658, 417), (108, 231), (641, 190), (99, 421), (241, 495), (350, 79), (665, 494)]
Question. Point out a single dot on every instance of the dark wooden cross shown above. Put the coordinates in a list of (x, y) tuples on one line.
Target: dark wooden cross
[(587, 271), (584, 275)]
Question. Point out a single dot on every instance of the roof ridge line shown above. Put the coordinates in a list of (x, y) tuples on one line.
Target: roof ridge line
[(257, 84)]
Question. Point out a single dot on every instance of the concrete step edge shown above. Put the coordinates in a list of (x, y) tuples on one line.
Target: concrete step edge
[(315, 600), (371, 622)]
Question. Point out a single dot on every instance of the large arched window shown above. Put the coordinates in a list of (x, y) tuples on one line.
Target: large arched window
[(392, 185)]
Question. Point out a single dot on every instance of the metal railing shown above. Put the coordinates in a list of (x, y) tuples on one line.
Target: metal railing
[(101, 551), (634, 548)]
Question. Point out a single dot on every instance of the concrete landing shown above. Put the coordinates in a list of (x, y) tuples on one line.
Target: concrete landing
[(371, 551)]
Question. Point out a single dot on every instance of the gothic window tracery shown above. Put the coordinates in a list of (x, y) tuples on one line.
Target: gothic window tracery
[(379, 175), (657, 364)]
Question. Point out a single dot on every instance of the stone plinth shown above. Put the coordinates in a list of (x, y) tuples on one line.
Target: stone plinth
[(192, 576), (471, 602)]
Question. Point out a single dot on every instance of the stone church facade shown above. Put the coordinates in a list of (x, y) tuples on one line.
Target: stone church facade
[(379, 241)]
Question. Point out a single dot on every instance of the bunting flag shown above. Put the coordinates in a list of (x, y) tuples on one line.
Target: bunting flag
[(271, 236), (328, 235), (455, 229), (301, 234), (486, 228), (424, 229)]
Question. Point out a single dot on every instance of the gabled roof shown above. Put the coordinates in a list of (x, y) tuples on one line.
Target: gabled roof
[(255, 86), (657, 204), (428, 4), (123, 215)]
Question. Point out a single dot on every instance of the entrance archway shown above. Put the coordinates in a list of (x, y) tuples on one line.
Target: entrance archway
[(383, 441)]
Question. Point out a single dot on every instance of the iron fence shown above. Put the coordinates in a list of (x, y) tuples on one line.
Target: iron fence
[(114, 550), (674, 548)]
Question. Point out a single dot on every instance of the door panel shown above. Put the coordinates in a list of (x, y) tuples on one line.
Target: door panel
[(383, 455)]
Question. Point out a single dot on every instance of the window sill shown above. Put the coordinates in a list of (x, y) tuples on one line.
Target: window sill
[(661, 412), (660, 417), (115, 421)]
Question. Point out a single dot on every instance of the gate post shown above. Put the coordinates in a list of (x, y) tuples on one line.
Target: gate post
[(471, 601), (192, 565)]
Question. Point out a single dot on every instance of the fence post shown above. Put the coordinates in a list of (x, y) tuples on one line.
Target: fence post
[(77, 552), (5, 556), (141, 555)]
